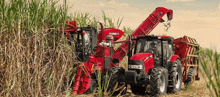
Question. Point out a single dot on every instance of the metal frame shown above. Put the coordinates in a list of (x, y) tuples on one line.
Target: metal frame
[(187, 48)]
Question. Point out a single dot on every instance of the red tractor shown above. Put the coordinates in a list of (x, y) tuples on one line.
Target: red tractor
[(151, 59), (153, 63)]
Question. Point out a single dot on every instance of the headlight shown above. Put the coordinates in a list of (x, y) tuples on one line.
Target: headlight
[(135, 66)]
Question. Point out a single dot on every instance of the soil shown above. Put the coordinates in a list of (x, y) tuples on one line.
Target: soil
[(196, 89)]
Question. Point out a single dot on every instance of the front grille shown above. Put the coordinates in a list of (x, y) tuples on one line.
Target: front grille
[(130, 77)]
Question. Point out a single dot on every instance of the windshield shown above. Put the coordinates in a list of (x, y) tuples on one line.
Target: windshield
[(144, 45)]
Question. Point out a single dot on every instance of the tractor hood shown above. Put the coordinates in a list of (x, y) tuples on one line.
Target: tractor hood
[(141, 56), (146, 58)]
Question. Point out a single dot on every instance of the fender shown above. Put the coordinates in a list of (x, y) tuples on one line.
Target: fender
[(174, 57), (149, 63)]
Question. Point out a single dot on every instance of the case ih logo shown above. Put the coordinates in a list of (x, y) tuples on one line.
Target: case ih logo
[(114, 33)]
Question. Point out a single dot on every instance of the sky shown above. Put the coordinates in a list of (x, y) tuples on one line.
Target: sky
[(199, 19)]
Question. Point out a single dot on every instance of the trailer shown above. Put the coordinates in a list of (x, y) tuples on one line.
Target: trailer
[(187, 48)]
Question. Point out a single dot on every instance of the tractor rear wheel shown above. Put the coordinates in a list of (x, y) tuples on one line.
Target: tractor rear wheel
[(175, 77), (158, 81), (189, 76), (138, 90)]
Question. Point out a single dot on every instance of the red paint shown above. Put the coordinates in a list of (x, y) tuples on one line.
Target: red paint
[(82, 78), (148, 63), (100, 62), (144, 29), (103, 51), (116, 33), (77, 81), (184, 47), (67, 34), (174, 57), (165, 36), (71, 26), (140, 56)]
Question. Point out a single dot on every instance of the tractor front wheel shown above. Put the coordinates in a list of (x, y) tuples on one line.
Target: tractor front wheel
[(158, 81)]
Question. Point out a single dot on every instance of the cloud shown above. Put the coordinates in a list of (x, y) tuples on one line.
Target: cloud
[(111, 1), (132, 16), (178, 0), (219, 6)]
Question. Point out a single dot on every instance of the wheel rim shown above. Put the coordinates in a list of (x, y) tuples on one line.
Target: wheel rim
[(162, 83), (178, 80)]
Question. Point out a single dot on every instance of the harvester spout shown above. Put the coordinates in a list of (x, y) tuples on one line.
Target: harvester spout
[(144, 29)]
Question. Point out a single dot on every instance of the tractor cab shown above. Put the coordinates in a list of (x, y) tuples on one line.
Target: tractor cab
[(149, 52), (85, 43), (160, 46)]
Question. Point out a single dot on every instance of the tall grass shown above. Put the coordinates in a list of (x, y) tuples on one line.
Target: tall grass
[(35, 58), (85, 19), (210, 62), (128, 30)]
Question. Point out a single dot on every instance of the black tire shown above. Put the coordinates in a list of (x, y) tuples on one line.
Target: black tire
[(138, 90), (189, 76), (158, 81), (175, 77), (115, 75), (92, 87)]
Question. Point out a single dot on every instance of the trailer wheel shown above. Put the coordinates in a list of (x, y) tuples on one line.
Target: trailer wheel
[(158, 81), (189, 76), (175, 77), (138, 90)]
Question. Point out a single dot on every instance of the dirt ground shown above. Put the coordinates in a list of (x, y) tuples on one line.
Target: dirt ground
[(197, 89)]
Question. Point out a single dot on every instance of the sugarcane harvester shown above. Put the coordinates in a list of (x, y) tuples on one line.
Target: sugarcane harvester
[(151, 59)]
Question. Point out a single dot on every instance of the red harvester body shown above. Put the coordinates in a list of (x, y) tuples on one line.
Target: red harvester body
[(95, 52)]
